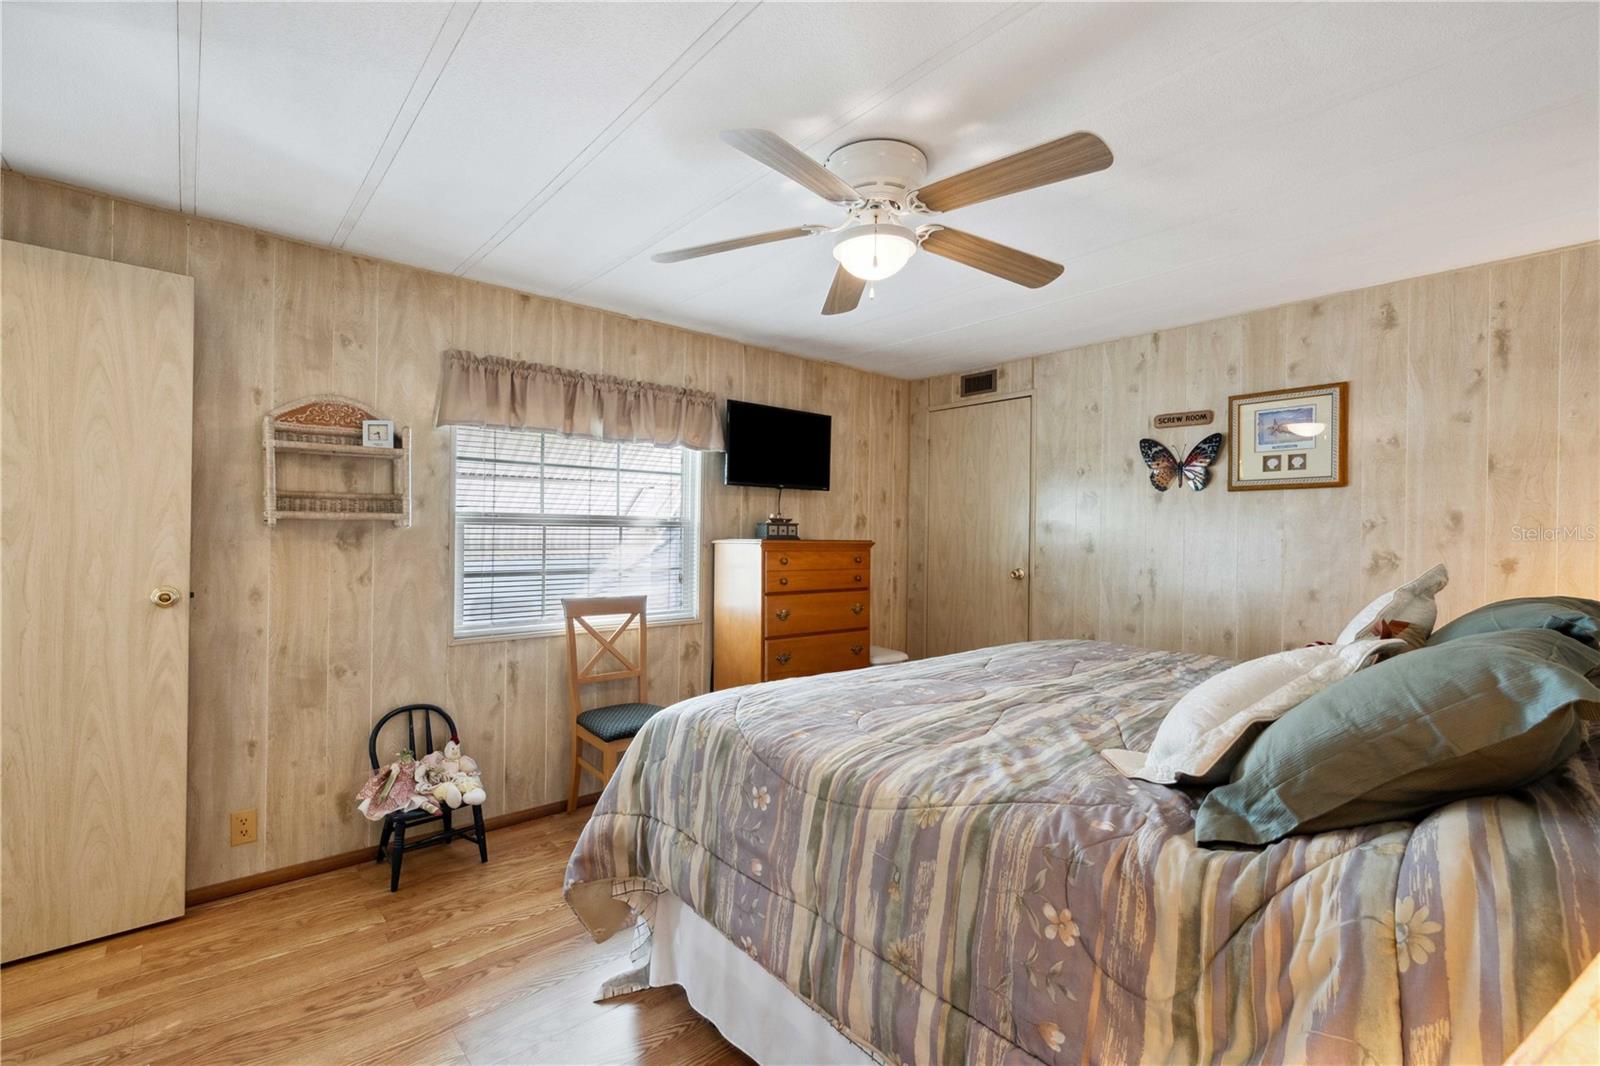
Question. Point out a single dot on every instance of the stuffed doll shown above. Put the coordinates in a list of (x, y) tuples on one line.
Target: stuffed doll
[(394, 789), (450, 777)]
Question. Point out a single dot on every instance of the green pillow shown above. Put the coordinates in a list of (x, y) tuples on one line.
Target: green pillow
[(1482, 713), (1577, 618)]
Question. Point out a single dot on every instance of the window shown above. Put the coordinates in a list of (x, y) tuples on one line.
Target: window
[(539, 516)]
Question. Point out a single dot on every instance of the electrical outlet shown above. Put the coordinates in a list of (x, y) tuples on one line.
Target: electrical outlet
[(242, 827)]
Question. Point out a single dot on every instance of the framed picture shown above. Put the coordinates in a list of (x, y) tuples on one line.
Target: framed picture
[(1289, 438), (377, 433)]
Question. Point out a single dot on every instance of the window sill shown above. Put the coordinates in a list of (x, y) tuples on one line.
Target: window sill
[(557, 633)]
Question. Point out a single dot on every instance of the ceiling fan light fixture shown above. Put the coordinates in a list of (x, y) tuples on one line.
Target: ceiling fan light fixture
[(873, 251), (878, 182)]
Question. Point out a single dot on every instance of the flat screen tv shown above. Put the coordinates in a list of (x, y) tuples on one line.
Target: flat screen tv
[(778, 448)]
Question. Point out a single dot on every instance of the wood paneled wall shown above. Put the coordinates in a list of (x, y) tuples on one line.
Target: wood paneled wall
[(303, 635), (1474, 440)]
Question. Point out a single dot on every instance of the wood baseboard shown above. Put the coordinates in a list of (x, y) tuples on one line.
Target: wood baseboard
[(267, 878)]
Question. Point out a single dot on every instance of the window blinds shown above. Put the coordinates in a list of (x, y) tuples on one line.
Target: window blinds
[(539, 516)]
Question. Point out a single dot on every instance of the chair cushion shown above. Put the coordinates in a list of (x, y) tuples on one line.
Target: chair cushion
[(618, 721)]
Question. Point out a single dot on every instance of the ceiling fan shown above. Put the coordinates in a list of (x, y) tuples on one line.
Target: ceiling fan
[(879, 184)]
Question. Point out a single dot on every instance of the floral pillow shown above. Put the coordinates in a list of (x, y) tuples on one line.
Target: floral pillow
[(1408, 612)]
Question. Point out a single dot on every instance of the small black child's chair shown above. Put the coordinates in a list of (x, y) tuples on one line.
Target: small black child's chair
[(396, 825)]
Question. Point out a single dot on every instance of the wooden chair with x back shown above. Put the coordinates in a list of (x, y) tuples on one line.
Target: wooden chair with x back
[(609, 729)]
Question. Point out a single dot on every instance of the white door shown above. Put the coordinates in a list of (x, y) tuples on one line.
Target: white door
[(980, 477), (97, 381)]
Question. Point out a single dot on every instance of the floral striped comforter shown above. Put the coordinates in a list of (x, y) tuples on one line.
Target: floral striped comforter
[(933, 855)]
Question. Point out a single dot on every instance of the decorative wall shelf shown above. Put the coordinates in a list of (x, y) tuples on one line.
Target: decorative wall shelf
[(328, 429)]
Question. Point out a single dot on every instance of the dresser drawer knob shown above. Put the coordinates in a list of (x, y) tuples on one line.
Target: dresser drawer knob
[(783, 581), (858, 560), (783, 614), (783, 658), (855, 649), (856, 608), (783, 560), (858, 578)]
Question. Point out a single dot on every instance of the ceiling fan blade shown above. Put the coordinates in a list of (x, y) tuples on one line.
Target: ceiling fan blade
[(769, 149), (844, 294), (1071, 156), (992, 258), (678, 255)]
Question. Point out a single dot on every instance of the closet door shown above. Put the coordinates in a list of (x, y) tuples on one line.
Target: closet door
[(980, 478), (97, 383)]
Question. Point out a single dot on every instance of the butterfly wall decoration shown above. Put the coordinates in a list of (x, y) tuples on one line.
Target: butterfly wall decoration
[(1165, 468)]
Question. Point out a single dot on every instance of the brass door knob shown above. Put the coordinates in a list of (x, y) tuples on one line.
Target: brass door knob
[(1018, 574), (783, 658), (856, 608), (164, 595), (855, 649), (783, 614)]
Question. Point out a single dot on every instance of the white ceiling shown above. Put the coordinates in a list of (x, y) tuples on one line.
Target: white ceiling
[(1264, 153)]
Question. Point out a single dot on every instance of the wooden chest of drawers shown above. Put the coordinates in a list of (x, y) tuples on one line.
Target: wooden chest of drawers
[(787, 608)]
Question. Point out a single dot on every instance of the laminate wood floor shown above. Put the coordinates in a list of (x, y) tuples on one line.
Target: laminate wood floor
[(466, 964)]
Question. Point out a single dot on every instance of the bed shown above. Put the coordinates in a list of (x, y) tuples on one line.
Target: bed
[(933, 861)]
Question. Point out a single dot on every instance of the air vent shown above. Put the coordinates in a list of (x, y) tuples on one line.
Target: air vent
[(977, 384)]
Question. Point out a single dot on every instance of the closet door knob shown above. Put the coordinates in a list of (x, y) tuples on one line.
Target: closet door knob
[(1018, 574), (164, 595)]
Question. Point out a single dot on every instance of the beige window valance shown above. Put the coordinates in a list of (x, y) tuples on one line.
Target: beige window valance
[(486, 390)]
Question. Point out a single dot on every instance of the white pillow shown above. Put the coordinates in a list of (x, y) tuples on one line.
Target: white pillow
[(1206, 733), (1407, 612)]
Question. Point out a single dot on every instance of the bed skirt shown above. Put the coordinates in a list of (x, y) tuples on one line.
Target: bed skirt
[(750, 1007)]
